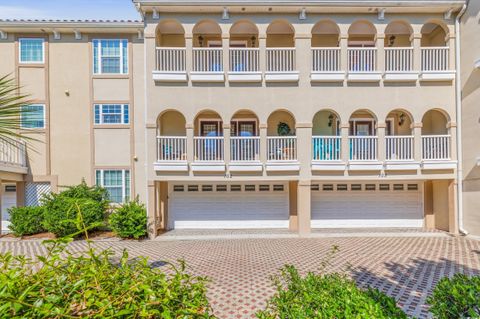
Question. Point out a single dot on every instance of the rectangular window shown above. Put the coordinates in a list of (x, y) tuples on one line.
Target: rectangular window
[(116, 182), (32, 50), (327, 187), (33, 116), (110, 56), (178, 188), (221, 188), (112, 114), (342, 187)]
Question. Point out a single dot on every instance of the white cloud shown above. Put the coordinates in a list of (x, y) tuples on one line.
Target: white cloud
[(22, 12)]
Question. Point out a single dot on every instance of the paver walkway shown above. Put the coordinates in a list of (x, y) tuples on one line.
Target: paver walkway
[(404, 267)]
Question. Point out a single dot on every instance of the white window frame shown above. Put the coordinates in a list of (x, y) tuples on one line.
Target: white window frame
[(44, 118), (124, 184), (122, 114), (20, 51), (99, 57)]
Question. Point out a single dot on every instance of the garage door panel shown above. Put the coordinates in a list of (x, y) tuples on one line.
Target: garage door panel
[(366, 209), (229, 210)]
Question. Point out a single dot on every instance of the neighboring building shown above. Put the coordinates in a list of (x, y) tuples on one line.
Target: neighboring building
[(269, 114)]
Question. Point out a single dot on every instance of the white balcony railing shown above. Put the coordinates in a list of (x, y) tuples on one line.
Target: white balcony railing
[(171, 148), (399, 148), (362, 59), (209, 148), (13, 153), (326, 148), (170, 59), (207, 60), (363, 148), (244, 59), (436, 147), (245, 148), (398, 59), (281, 60), (435, 58), (282, 148), (326, 59)]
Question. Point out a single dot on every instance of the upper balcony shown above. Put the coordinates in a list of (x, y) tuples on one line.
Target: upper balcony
[(360, 55), (13, 156)]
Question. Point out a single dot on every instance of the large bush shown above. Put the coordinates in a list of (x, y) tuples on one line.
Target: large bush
[(455, 298), (61, 210), (318, 296), (129, 220), (92, 286), (26, 220)]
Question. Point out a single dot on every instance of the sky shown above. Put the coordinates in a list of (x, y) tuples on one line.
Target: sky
[(68, 9)]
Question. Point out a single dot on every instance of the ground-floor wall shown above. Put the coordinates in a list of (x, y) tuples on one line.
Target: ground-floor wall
[(301, 205)]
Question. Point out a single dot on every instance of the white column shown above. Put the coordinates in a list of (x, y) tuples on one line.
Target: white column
[(190, 143), (417, 141), (417, 52), (344, 52), (380, 53), (452, 131), (262, 45), (304, 207), (344, 133), (303, 51), (263, 142), (226, 144), (226, 52), (188, 52), (304, 148), (381, 151)]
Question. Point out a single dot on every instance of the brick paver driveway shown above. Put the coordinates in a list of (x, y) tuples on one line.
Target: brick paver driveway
[(404, 267)]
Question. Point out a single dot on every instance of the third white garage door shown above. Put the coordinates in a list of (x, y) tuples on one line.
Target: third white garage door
[(228, 206), (366, 205)]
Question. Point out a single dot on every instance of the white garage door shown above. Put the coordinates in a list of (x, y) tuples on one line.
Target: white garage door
[(9, 199), (367, 205), (228, 206)]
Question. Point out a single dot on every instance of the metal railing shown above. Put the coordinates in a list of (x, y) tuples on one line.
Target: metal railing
[(209, 148), (362, 59), (326, 59), (282, 148), (170, 59), (398, 59), (245, 148), (171, 148), (435, 58), (363, 148), (244, 59), (436, 147), (281, 59), (399, 148), (326, 148), (207, 59)]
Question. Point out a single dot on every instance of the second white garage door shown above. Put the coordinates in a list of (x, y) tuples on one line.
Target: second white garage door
[(228, 206), (397, 205)]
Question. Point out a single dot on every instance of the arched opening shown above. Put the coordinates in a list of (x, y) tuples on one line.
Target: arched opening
[(244, 140), (326, 142), (398, 34), (362, 123), (244, 34), (398, 122), (325, 33), (282, 142), (170, 33), (208, 123), (434, 122), (207, 33), (362, 34), (171, 137), (281, 123), (433, 35), (208, 143), (280, 34)]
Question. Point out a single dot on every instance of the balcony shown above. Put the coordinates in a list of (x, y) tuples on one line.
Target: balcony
[(362, 65), (435, 64), (326, 66), (244, 65), (399, 65), (281, 65), (207, 65), (170, 65), (13, 156)]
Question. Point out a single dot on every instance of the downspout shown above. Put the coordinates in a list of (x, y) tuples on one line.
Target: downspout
[(458, 97)]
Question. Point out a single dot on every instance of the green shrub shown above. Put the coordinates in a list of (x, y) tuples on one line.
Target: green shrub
[(456, 297), (90, 285), (61, 209), (318, 296), (26, 220), (129, 220)]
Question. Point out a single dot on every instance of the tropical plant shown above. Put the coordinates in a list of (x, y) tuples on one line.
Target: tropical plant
[(26, 220), (456, 298), (129, 220)]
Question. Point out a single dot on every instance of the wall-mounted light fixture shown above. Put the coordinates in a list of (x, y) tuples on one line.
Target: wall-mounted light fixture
[(330, 120), (200, 41), (303, 14), (391, 40), (401, 119), (254, 41), (225, 14)]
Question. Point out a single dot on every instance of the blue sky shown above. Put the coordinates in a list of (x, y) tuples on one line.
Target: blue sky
[(67, 9)]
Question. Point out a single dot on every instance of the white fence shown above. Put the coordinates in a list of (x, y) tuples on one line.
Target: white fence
[(207, 60), (399, 148), (13, 152), (363, 148), (326, 59), (281, 59), (170, 59), (435, 59), (326, 148), (171, 148), (362, 59), (436, 147), (282, 148), (398, 59), (244, 59), (209, 149), (245, 148)]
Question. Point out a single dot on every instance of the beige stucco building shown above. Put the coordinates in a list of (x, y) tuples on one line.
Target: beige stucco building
[(270, 114)]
